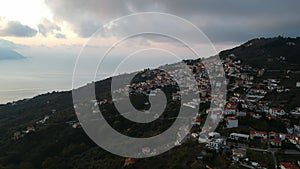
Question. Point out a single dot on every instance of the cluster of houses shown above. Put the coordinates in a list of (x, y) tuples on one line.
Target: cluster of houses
[(30, 129), (275, 139), (33, 128), (20, 134), (198, 82), (75, 124), (248, 101), (215, 142), (44, 120)]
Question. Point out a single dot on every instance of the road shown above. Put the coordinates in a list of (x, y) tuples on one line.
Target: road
[(292, 152)]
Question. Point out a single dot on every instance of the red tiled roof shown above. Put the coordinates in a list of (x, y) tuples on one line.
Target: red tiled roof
[(275, 140), (198, 119), (231, 105), (276, 109), (288, 165), (231, 118), (129, 161)]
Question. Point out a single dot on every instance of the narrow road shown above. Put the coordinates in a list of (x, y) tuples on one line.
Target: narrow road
[(274, 158), (292, 152)]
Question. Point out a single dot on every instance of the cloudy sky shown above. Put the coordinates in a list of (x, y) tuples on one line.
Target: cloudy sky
[(71, 22), (52, 32)]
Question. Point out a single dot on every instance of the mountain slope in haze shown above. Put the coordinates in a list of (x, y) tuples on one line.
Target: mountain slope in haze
[(9, 54), (57, 145)]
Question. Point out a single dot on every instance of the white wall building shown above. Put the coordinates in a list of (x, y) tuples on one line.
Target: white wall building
[(232, 122)]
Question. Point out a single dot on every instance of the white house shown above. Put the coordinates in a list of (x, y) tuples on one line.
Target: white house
[(276, 112), (239, 137), (289, 129), (231, 111), (238, 153), (295, 112), (232, 122), (275, 142), (258, 134), (216, 144)]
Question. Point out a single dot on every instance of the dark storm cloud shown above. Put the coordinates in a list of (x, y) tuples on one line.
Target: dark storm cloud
[(15, 28), (221, 20), (47, 27), (87, 16), (86, 28)]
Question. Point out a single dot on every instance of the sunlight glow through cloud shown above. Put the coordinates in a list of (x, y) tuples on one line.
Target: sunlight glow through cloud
[(28, 12)]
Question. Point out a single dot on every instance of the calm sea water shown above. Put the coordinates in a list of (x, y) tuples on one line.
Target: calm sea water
[(36, 75), (32, 76)]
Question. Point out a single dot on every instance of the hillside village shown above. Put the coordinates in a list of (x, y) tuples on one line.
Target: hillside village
[(246, 99), (259, 125)]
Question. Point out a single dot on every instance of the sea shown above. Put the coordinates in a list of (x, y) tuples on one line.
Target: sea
[(26, 78)]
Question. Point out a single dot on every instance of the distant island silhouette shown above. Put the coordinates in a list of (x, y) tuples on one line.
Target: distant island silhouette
[(9, 54)]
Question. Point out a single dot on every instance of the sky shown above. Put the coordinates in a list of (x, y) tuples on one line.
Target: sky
[(51, 33)]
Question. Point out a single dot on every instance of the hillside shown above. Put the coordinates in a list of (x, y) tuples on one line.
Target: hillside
[(57, 142), (270, 53)]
